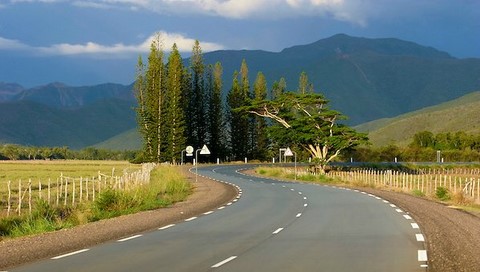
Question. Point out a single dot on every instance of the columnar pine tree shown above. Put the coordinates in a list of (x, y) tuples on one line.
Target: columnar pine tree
[(150, 92), (304, 86), (245, 86), (197, 105), (174, 115), (144, 125), (261, 137), (216, 114), (279, 88), (239, 125)]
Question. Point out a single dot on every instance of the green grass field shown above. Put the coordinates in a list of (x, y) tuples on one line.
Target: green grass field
[(40, 170)]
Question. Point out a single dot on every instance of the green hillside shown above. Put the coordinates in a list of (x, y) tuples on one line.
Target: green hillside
[(462, 114), (128, 140)]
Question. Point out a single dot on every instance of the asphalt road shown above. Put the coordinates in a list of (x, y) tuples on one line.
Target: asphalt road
[(271, 226)]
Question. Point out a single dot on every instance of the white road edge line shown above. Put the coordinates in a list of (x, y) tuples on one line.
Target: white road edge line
[(420, 237), (277, 231), (224, 262), (422, 256), (129, 238), (166, 227), (190, 219), (70, 254)]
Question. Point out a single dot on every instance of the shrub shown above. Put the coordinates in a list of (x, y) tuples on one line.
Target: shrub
[(442, 193)]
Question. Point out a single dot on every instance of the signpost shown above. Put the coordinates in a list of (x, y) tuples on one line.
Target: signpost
[(289, 153), (189, 151), (203, 151)]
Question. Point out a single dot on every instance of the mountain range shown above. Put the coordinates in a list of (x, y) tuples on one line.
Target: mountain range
[(366, 79)]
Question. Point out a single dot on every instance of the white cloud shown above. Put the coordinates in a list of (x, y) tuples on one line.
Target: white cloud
[(184, 44), (353, 11), (7, 44)]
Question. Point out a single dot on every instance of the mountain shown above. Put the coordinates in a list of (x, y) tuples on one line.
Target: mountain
[(34, 124), (366, 79), (59, 95), (462, 114)]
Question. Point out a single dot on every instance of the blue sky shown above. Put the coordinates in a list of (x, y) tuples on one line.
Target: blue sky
[(84, 42)]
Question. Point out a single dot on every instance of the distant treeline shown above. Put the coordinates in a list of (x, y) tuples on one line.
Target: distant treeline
[(18, 152), (425, 147)]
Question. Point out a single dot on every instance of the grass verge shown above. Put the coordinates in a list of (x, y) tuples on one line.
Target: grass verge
[(167, 186)]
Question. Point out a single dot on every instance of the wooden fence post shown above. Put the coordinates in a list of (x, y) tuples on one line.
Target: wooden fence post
[(9, 203)]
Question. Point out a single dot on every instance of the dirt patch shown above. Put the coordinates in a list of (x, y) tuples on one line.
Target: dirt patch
[(207, 195)]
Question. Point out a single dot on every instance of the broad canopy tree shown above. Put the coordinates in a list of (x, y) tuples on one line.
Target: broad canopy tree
[(304, 119)]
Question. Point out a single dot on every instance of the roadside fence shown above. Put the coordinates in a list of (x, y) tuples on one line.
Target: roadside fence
[(464, 181), (21, 196)]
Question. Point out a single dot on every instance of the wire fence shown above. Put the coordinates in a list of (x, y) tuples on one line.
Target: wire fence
[(22, 196)]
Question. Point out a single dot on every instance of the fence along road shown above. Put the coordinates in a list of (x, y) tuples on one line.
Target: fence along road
[(274, 226)]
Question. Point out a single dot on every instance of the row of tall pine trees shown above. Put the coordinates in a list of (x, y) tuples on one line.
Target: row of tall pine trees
[(182, 105)]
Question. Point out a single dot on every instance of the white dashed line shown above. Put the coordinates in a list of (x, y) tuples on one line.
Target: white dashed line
[(190, 219), (221, 208), (386, 201), (299, 193), (305, 205), (420, 237), (129, 238), (422, 256), (224, 262), (70, 254), (277, 231), (305, 197), (393, 205), (166, 227), (414, 226), (408, 217), (298, 215), (207, 213), (399, 210)]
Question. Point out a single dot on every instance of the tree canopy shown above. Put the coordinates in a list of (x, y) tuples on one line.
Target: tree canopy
[(305, 120)]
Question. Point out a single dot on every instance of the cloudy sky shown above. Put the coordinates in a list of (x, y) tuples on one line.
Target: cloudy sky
[(82, 42)]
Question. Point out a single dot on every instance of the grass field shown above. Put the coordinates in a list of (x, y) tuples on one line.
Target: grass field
[(41, 170), (38, 213)]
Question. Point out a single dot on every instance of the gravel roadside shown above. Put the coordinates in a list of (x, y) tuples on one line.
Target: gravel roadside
[(452, 236), (207, 195)]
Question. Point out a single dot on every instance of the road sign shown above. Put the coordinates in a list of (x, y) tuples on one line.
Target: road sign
[(189, 149), (204, 150), (288, 152)]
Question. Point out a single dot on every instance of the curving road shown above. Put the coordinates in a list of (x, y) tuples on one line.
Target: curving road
[(271, 226)]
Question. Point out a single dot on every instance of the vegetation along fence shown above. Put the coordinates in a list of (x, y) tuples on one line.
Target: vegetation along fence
[(463, 182), (22, 195)]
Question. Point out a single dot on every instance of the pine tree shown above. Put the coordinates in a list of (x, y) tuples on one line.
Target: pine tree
[(197, 103), (239, 125), (261, 137), (142, 113), (250, 133), (279, 88), (216, 112), (304, 86), (150, 90), (174, 114)]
